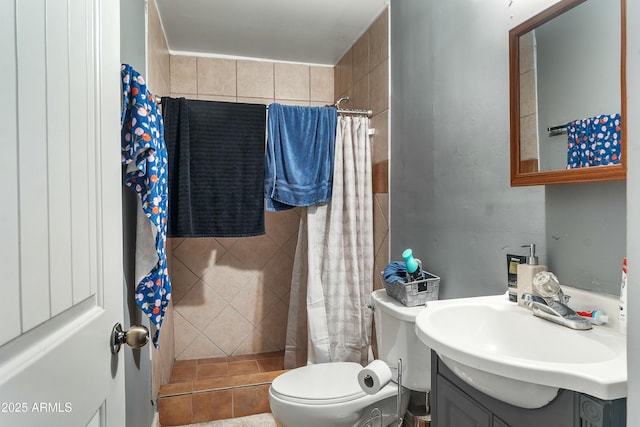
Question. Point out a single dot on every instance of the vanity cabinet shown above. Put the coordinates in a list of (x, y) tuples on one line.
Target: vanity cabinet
[(456, 404)]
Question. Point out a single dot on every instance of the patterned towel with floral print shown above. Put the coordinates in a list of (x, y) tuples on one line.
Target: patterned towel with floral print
[(145, 154), (594, 141)]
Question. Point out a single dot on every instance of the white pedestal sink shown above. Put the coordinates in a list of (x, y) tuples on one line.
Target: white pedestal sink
[(504, 351)]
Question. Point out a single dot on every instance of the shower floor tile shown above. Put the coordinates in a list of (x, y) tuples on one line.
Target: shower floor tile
[(222, 388)]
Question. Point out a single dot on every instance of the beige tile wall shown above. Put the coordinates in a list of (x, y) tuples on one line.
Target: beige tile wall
[(158, 76), (158, 82), (528, 111), (262, 82), (363, 74), (231, 296)]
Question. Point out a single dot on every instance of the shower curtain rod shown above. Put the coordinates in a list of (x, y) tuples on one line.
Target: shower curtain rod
[(368, 113)]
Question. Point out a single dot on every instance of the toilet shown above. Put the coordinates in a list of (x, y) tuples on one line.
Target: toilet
[(328, 394)]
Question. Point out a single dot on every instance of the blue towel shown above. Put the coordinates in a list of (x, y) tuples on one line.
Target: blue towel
[(300, 152), (395, 271)]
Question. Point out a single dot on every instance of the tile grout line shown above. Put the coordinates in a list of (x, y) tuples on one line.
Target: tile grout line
[(233, 386), (208, 390)]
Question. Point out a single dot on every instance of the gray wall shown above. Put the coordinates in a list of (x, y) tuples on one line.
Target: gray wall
[(586, 234), (633, 209), (133, 43), (140, 410), (450, 197)]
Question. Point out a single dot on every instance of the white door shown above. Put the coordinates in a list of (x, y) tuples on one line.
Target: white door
[(60, 214)]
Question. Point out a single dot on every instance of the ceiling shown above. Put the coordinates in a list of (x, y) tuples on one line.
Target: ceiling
[(307, 31)]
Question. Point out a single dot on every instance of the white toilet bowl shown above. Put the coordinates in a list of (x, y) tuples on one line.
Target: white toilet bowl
[(328, 394)]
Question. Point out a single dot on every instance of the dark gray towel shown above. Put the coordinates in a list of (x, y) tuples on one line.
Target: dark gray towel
[(216, 156)]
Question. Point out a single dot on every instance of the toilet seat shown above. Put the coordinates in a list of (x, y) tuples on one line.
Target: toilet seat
[(321, 384)]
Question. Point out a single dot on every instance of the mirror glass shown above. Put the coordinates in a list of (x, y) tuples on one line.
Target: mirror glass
[(567, 85)]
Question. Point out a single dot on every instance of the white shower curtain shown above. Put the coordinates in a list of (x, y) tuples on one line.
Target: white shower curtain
[(329, 314)]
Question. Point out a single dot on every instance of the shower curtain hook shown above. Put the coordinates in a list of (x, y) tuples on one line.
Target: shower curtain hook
[(340, 100)]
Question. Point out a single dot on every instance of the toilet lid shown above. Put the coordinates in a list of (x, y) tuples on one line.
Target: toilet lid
[(324, 382)]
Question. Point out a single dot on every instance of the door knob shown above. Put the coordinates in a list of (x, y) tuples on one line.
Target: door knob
[(136, 336)]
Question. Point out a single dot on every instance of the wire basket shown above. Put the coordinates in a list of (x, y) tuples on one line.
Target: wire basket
[(414, 293)]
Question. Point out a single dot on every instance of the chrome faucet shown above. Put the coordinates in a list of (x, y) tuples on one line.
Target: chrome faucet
[(555, 311)]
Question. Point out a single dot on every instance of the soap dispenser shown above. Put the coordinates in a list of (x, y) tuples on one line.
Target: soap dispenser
[(526, 273)]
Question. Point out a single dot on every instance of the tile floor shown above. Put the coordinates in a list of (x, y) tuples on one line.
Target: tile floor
[(220, 388)]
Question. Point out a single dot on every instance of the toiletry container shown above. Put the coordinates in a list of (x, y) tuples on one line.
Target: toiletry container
[(414, 269), (512, 274), (596, 317), (622, 314), (526, 273)]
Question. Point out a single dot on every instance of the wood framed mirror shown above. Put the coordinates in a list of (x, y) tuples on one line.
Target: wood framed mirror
[(567, 63)]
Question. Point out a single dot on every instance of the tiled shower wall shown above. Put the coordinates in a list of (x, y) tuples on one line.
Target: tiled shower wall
[(528, 108), (158, 82), (363, 74), (231, 296)]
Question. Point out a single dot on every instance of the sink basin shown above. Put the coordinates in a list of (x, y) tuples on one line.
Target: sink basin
[(504, 351)]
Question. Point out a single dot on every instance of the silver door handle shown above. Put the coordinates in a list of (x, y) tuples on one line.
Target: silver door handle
[(136, 336)]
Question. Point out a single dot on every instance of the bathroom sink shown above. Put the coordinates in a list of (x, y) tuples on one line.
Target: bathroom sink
[(504, 351)]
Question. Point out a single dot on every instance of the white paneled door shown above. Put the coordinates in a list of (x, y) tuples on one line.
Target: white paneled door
[(60, 214)]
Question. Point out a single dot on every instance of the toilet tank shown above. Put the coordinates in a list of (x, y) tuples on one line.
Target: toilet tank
[(396, 339)]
